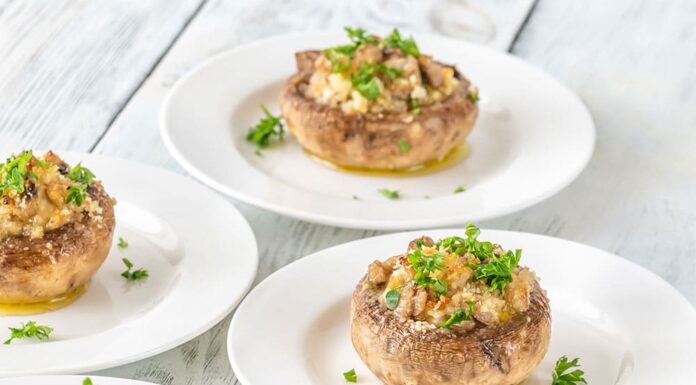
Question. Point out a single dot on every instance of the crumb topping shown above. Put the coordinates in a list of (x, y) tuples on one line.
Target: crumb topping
[(454, 283), (42, 194)]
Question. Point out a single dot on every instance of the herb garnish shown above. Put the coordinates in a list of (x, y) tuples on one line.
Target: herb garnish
[(266, 128), (366, 81), (498, 271), (390, 194), (404, 145), (122, 243), (83, 177), (341, 55), (560, 377), (87, 381), (459, 316), (415, 108), (14, 171), (392, 298), (350, 376), (133, 275), (424, 265), (459, 189), (407, 46), (29, 330), (473, 94)]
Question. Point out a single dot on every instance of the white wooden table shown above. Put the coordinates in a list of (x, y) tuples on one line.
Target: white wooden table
[(90, 76)]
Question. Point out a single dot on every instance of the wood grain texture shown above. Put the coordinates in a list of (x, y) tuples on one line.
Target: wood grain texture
[(69, 66)]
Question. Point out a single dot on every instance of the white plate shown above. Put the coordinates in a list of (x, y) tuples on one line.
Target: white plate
[(202, 258), (627, 325), (533, 137), (69, 380)]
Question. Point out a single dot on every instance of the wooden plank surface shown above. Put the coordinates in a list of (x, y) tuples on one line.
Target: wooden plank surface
[(69, 66)]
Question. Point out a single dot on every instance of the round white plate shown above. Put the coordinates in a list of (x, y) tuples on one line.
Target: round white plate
[(69, 380), (201, 255), (627, 325), (533, 137)]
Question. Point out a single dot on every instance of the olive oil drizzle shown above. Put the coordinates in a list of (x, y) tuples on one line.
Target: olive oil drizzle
[(42, 307), (456, 156)]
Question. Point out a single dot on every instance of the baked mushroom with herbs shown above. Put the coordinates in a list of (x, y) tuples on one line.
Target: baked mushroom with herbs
[(377, 103), (456, 311), (56, 228)]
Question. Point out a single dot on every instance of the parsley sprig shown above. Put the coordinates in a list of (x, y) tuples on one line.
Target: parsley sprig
[(390, 194), (425, 265), (122, 243), (341, 55), (407, 46), (82, 177), (562, 375), (268, 127), (133, 275), (14, 172), (498, 271), (366, 80), (459, 316), (29, 330)]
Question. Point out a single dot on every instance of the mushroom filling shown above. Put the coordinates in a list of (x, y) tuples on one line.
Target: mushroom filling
[(454, 283), (41, 194), (376, 75)]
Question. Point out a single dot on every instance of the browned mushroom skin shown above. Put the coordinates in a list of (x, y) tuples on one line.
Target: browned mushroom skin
[(42, 269), (370, 140), (398, 355)]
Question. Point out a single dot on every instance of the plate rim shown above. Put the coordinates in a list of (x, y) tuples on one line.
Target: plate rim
[(183, 338), (357, 223), (674, 293)]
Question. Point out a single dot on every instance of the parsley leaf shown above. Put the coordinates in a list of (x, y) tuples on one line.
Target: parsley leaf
[(29, 330), (392, 298), (14, 171), (389, 194), (122, 243), (415, 108), (83, 177), (424, 265), (350, 376), (76, 194), (498, 271), (81, 174), (407, 46), (473, 94), (266, 128), (404, 145), (133, 275), (440, 287), (87, 381), (366, 81), (359, 37), (459, 316), (561, 376), (459, 189)]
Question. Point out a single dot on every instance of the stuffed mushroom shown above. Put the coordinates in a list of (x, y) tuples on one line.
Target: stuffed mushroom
[(456, 311), (377, 104), (56, 228)]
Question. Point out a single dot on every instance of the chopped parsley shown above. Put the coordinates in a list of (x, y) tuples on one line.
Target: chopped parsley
[(341, 55), (440, 287), (359, 37), (459, 189), (407, 46), (415, 108), (14, 172), (29, 330), (390, 194), (562, 375), (268, 127), (82, 177), (122, 243), (392, 298), (87, 381), (133, 275), (459, 316), (473, 94), (350, 376), (366, 81), (424, 265), (497, 272), (404, 145)]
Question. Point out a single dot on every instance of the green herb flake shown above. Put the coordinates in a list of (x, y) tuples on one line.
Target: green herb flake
[(440, 287), (350, 376), (122, 243), (269, 126), (81, 174), (415, 108), (459, 189), (366, 81), (424, 265), (76, 194), (390, 194), (14, 172), (30, 330), (473, 94), (392, 298), (133, 275), (87, 381), (404, 145), (359, 37), (562, 374), (459, 316), (407, 46)]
